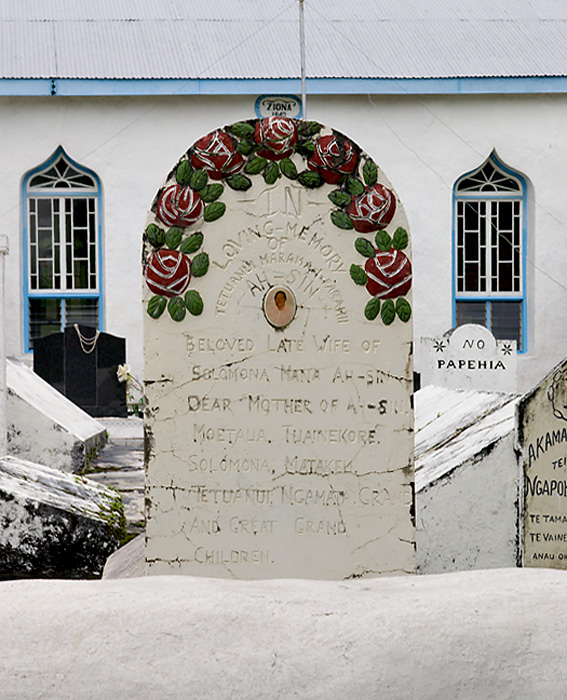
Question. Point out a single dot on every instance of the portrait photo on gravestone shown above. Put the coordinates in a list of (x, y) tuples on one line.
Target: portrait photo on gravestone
[(278, 359)]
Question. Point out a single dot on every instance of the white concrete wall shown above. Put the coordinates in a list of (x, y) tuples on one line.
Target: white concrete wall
[(467, 519), (423, 144)]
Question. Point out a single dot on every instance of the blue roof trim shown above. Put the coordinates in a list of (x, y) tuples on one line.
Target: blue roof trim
[(254, 86)]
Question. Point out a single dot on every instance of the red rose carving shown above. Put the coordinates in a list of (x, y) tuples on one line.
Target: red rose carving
[(373, 210), (168, 273), (334, 157), (179, 206), (216, 153), (277, 136), (389, 274)]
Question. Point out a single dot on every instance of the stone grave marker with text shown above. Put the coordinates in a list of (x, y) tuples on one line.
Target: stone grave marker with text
[(278, 360), (542, 438), (469, 357)]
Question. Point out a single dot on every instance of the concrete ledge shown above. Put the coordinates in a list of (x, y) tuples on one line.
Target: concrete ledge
[(482, 634), (44, 426)]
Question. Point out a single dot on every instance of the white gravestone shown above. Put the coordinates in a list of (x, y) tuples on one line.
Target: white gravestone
[(279, 421), (542, 440), (469, 357)]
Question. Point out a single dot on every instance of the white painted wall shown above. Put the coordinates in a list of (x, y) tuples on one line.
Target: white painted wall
[(423, 144), (467, 519)]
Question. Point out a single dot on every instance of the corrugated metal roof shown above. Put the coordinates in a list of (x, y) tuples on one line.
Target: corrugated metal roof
[(255, 39)]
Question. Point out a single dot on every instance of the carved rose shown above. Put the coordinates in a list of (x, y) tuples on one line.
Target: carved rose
[(389, 274), (179, 206), (277, 136), (334, 157), (168, 273), (373, 210), (217, 154)]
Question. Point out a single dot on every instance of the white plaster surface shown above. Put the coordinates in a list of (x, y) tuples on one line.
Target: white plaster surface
[(466, 480), (128, 561), (43, 425), (452, 426), (288, 452), (469, 357), (478, 635)]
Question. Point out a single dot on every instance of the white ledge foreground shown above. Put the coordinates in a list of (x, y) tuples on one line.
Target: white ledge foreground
[(480, 634)]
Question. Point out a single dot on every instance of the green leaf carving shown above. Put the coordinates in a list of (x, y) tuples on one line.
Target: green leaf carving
[(383, 241), (271, 173), (400, 240), (370, 173), (173, 238), (210, 193), (364, 247), (372, 309), (199, 265), (183, 173), (176, 308), (245, 148), (255, 165), (388, 312), (358, 275), (288, 168), (341, 219), (198, 180), (192, 243), (310, 179), (403, 309), (340, 198), (156, 306), (194, 302), (309, 128), (214, 211), (242, 130), (306, 148), (239, 182), (354, 186), (155, 235)]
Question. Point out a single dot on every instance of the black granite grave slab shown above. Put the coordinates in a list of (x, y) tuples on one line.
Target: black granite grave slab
[(82, 365)]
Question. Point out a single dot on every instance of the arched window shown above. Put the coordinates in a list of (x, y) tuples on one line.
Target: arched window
[(62, 247), (489, 250)]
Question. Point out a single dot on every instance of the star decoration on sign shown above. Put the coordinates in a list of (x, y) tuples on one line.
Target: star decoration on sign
[(507, 348), (439, 346)]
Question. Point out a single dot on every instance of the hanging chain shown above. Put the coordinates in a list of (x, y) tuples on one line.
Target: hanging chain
[(87, 344)]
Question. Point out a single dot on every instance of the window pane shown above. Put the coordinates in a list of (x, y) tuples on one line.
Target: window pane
[(471, 312), (81, 311), (80, 243), (45, 274), (45, 244), (80, 274), (80, 212), (44, 213), (45, 318), (506, 320)]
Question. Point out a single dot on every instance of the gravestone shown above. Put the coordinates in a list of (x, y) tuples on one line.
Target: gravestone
[(469, 357), (278, 360), (81, 363), (542, 440)]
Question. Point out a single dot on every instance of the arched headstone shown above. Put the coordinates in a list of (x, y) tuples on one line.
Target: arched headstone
[(542, 443), (278, 360)]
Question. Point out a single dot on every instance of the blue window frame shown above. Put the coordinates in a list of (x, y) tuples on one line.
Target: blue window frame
[(61, 205), (489, 251)]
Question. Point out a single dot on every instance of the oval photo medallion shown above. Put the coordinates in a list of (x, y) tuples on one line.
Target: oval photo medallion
[(280, 306)]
